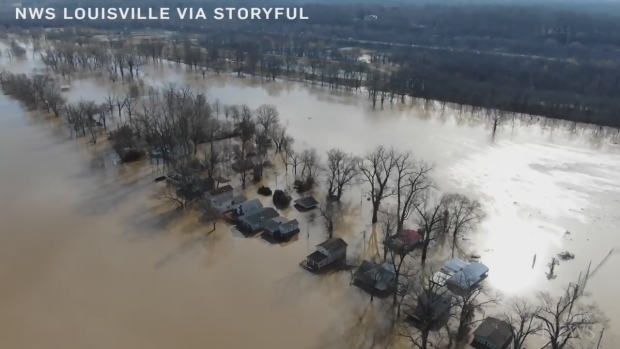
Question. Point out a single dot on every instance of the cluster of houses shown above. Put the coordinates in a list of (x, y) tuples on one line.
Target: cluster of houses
[(455, 277), (250, 215)]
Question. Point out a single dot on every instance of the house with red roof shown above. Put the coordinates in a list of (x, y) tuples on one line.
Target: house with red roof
[(406, 241)]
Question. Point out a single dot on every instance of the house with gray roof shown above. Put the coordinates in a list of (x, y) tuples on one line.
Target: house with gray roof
[(327, 253), (468, 277), (379, 279), (255, 221), (224, 203), (281, 228), (249, 207)]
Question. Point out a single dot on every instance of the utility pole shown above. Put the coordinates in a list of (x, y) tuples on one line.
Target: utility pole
[(600, 338)]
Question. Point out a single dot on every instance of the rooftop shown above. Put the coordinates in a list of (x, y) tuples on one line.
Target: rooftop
[(333, 244), (316, 257), (407, 237), (260, 217), (469, 276), (497, 331), (453, 266), (307, 202), (273, 223), (378, 276), (250, 206), (221, 190)]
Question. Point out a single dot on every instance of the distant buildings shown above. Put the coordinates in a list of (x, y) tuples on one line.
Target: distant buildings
[(493, 334)]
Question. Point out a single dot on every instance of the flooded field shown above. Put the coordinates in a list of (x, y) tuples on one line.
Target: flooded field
[(89, 259)]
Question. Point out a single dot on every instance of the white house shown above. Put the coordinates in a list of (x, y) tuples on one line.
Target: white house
[(327, 252), (224, 203), (221, 192)]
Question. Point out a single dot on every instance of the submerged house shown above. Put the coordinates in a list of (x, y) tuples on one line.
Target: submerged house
[(405, 241), (493, 333), (306, 203), (224, 203), (225, 192), (249, 207), (468, 277), (433, 308), (379, 279), (453, 266), (281, 228), (255, 221), (327, 253)]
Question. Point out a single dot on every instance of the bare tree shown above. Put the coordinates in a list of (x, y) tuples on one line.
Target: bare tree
[(411, 190), (342, 170), (310, 165), (174, 196), (377, 168), (428, 218), (468, 303), (431, 304), (212, 158), (496, 118), (211, 213), (522, 318), (463, 214), (267, 118), (331, 212), (565, 319)]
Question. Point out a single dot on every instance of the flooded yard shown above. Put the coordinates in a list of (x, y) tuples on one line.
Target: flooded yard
[(89, 259)]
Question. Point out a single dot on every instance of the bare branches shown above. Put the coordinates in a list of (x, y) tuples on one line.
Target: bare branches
[(342, 170), (522, 317), (565, 319), (377, 168), (463, 215)]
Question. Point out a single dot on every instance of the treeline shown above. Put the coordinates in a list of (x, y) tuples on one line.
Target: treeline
[(533, 29), (581, 92)]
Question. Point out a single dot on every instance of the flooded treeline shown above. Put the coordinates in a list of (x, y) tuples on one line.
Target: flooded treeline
[(201, 143), (170, 123), (514, 84)]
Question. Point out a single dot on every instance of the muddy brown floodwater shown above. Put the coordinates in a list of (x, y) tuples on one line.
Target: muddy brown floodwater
[(89, 260)]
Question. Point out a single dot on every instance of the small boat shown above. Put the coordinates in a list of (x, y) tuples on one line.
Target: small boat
[(65, 88), (160, 178)]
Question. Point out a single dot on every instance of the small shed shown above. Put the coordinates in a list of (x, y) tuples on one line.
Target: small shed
[(307, 202)]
